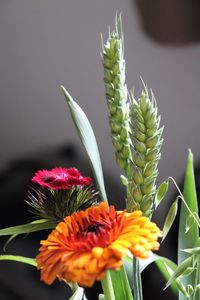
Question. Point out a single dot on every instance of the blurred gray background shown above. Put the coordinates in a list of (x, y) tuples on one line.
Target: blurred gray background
[(45, 43)]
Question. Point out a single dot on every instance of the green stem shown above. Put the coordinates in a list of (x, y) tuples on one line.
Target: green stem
[(196, 218), (107, 287), (137, 283), (196, 295), (74, 287)]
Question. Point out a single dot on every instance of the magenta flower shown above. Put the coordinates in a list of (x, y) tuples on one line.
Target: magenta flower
[(60, 178)]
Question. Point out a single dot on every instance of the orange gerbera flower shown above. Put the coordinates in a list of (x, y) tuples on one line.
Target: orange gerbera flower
[(87, 243)]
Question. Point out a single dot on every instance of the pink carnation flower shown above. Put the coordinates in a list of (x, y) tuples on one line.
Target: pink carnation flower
[(60, 178)]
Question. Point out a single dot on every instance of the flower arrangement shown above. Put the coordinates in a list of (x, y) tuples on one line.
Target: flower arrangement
[(89, 240)]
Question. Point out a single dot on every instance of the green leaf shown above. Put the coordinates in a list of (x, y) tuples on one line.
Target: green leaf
[(180, 270), (164, 265), (88, 140), (161, 263), (168, 272), (152, 258), (167, 268), (161, 192), (78, 294), (107, 286), (170, 218), (28, 228), (188, 271), (121, 285), (124, 180), (195, 250), (128, 266), (189, 222), (155, 258), (12, 237), (137, 283), (187, 240), (21, 259)]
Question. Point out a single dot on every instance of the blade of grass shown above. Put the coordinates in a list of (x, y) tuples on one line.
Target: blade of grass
[(27, 228), (188, 239), (161, 263), (121, 285), (21, 259), (107, 286), (88, 140), (78, 294), (169, 220)]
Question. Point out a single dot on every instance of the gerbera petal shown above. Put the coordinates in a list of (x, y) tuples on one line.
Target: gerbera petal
[(86, 244)]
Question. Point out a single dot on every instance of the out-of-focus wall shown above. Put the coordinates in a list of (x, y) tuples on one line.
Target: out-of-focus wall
[(47, 43)]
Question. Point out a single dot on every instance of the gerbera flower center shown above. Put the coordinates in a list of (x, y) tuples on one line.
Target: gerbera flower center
[(93, 233), (89, 242), (95, 227)]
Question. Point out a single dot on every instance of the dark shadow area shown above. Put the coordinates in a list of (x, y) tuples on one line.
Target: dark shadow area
[(19, 281), (22, 282), (173, 22)]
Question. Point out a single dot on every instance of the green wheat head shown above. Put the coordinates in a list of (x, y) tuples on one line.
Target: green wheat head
[(146, 143), (116, 95), (134, 127)]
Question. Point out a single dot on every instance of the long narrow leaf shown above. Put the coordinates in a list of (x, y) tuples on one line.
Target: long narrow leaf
[(171, 215), (188, 239), (188, 263), (168, 272), (27, 228), (154, 258), (161, 263), (78, 294), (121, 285), (88, 140), (12, 237), (161, 192), (21, 259)]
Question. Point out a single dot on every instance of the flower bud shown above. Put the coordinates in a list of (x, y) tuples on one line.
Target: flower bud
[(120, 114), (116, 81), (124, 134), (116, 128), (107, 75), (139, 160), (197, 288), (140, 147), (117, 144), (152, 130), (126, 152), (140, 136), (109, 90), (140, 127), (149, 169), (189, 289), (121, 163), (112, 108), (137, 176), (146, 204), (137, 195), (147, 188), (152, 154), (152, 141)]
